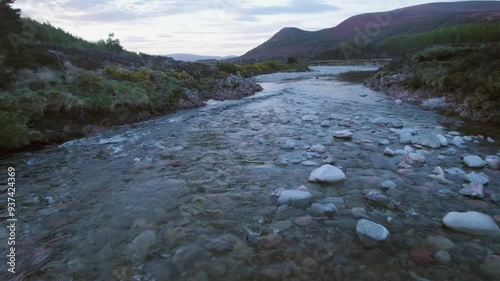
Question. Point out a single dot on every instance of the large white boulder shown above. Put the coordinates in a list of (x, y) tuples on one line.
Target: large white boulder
[(471, 222), (328, 174)]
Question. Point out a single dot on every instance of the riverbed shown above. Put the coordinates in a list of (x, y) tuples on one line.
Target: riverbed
[(193, 195)]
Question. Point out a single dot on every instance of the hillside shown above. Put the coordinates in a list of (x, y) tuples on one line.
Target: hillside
[(351, 39), (459, 79)]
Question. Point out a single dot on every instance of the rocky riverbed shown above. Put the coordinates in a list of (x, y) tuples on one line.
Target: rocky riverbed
[(314, 178)]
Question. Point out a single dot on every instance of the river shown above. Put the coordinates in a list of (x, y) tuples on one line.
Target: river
[(192, 195)]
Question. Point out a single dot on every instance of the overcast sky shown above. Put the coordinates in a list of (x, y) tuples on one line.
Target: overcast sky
[(210, 27)]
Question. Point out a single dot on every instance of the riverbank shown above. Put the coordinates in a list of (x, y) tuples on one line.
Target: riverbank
[(458, 79), (68, 93)]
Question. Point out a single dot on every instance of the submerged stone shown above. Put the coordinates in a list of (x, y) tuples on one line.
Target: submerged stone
[(327, 174), (371, 233), (471, 222)]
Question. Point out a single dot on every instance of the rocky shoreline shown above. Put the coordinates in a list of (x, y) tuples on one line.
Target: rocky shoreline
[(455, 79)]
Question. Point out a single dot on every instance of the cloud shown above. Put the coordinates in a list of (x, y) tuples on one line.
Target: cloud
[(293, 7)]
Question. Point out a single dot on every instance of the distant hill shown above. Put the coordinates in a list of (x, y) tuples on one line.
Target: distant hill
[(359, 35), (191, 57)]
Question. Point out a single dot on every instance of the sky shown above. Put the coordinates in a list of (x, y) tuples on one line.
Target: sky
[(203, 27)]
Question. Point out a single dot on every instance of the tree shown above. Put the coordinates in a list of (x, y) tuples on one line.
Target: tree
[(292, 60), (10, 27), (113, 44)]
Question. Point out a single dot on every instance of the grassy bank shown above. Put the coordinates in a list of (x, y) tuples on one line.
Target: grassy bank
[(249, 70), (467, 76)]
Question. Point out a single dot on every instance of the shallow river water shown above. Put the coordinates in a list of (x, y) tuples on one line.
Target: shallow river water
[(192, 195)]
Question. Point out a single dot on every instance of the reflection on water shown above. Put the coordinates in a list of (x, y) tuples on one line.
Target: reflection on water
[(189, 196)]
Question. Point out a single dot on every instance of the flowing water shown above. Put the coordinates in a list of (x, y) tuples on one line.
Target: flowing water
[(189, 196)]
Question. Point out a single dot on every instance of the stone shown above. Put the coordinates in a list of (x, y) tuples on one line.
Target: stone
[(454, 133), (327, 209), (398, 102), (481, 177), (290, 144), (344, 134), (309, 163), (458, 142), (429, 140), (139, 247), (442, 140), (467, 138), (405, 137), (326, 124), (474, 189), (473, 161), (440, 178), (421, 256), (438, 170), (377, 197), (455, 171), (490, 140), (295, 198), (449, 152), (381, 121), (398, 124), (309, 118), (371, 233), (281, 226), (416, 158), (384, 142), (409, 149), (494, 164), (471, 222), (358, 212), (389, 152), (318, 148), (388, 185), (435, 243), (442, 257), (327, 174), (270, 241)]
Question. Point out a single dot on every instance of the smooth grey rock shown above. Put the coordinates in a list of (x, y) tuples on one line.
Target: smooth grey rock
[(344, 134), (474, 161), (371, 233), (309, 118), (328, 174), (290, 144), (381, 121), (389, 152), (490, 140), (377, 197), (398, 124), (442, 257), (318, 148), (471, 222), (459, 142), (295, 198), (326, 124), (309, 163), (416, 158), (388, 185), (450, 151), (327, 209), (384, 142), (438, 170), (442, 140)]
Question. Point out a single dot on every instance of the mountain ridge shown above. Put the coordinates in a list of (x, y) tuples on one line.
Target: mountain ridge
[(291, 41)]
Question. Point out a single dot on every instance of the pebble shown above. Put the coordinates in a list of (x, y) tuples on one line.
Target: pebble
[(442, 257), (290, 144), (416, 158), (436, 243), (295, 198), (327, 209), (388, 185), (325, 124), (389, 152), (370, 233), (309, 163), (344, 134), (442, 140), (473, 161), (327, 174), (438, 170), (471, 222), (337, 201), (481, 177), (455, 171), (318, 148), (309, 118), (358, 212), (384, 142), (474, 189), (490, 140), (421, 256)]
